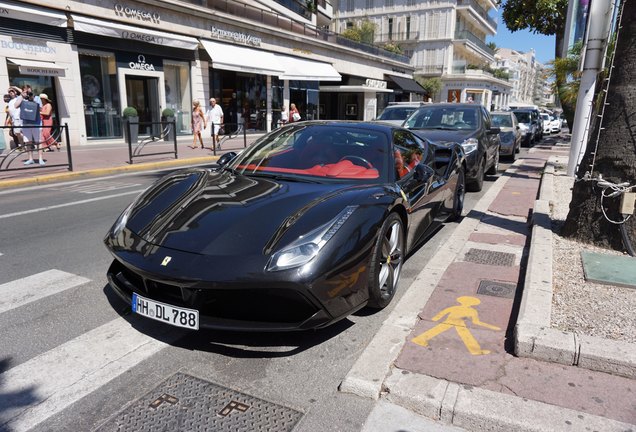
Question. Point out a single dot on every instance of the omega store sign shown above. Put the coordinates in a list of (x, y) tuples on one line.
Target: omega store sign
[(140, 62)]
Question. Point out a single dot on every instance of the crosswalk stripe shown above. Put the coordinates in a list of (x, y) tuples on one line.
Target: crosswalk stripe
[(52, 381), (35, 287)]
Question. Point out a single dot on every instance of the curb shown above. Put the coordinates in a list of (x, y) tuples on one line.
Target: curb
[(366, 376), (49, 178), (473, 408), (533, 336)]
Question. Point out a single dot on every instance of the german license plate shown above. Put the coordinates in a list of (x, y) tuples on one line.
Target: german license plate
[(173, 315)]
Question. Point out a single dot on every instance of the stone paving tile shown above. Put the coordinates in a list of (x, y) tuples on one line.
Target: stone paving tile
[(498, 239)]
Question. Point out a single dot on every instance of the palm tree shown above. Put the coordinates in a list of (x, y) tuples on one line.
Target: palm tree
[(567, 79)]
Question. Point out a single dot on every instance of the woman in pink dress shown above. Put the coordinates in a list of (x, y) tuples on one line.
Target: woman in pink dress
[(198, 123), (46, 112)]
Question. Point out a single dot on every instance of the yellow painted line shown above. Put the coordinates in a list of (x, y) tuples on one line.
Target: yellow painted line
[(97, 172), (455, 318)]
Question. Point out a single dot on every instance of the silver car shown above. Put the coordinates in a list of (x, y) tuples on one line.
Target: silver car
[(510, 134)]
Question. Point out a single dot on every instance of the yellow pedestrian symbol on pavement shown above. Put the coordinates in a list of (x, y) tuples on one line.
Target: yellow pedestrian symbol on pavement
[(456, 319)]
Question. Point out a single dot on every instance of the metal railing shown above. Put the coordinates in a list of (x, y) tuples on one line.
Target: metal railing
[(466, 35), (228, 134), (411, 36), (480, 11), (17, 149), (167, 133)]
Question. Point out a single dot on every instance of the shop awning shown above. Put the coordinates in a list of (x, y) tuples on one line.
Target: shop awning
[(32, 67), (407, 84), (32, 14), (242, 59), (137, 34), (354, 89), (306, 70)]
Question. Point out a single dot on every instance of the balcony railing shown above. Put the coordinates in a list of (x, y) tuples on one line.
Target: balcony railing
[(430, 69), (466, 35), (296, 7), (285, 23), (399, 36), (480, 10)]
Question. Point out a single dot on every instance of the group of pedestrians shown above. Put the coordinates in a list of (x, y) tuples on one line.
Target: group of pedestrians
[(30, 118), (200, 120)]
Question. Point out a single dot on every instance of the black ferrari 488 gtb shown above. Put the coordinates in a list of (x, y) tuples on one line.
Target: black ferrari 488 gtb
[(304, 227)]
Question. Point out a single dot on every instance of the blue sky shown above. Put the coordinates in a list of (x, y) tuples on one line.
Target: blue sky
[(524, 40)]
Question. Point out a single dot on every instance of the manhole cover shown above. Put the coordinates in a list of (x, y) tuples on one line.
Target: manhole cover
[(496, 289), (185, 403), (483, 256)]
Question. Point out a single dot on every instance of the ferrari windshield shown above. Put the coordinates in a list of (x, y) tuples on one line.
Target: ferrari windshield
[(320, 151), (444, 117)]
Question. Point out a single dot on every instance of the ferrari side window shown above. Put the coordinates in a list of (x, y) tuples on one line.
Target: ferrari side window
[(407, 152)]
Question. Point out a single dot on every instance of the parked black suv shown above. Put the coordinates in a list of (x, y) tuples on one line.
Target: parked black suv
[(468, 124)]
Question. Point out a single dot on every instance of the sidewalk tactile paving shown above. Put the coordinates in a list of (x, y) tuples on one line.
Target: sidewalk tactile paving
[(488, 257)]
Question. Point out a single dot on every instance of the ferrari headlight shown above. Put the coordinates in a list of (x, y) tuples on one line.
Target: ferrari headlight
[(470, 145), (306, 247), (121, 221)]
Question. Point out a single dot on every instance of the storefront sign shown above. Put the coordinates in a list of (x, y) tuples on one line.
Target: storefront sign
[(375, 83), (27, 46), (138, 14), (142, 37), (140, 62), (41, 71), (235, 36)]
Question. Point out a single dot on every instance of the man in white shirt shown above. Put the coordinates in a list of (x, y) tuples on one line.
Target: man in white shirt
[(214, 117), (14, 113)]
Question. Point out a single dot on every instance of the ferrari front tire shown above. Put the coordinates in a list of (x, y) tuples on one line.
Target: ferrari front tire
[(386, 262)]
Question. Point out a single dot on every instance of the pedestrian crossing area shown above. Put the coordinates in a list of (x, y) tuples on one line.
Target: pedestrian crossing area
[(40, 387)]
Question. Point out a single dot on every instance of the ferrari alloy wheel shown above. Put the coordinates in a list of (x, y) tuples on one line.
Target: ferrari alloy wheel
[(460, 194), (386, 262)]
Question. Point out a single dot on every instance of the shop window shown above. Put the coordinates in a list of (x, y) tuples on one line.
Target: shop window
[(178, 95), (100, 93)]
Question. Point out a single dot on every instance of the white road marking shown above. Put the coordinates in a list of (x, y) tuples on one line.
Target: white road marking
[(31, 288), (93, 188), (52, 381), (69, 204)]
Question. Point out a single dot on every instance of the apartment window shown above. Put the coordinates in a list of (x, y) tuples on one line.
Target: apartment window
[(350, 5), (389, 3), (390, 28), (349, 24), (411, 2), (370, 4), (408, 27)]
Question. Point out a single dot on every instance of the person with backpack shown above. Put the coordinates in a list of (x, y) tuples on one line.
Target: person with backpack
[(30, 106)]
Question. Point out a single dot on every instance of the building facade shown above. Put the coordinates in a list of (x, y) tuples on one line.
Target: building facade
[(527, 76), (442, 38), (96, 57)]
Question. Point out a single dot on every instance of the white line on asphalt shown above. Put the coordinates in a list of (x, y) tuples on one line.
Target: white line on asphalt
[(68, 204), (52, 381), (93, 188), (31, 288)]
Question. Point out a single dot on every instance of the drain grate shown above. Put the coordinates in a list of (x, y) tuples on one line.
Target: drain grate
[(483, 256), (496, 289), (185, 403)]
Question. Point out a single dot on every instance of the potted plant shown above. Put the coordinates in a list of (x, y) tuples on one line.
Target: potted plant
[(167, 115), (130, 115)]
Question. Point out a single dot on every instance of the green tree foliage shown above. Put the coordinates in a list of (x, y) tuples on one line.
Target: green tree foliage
[(364, 32), (432, 86), (392, 47), (540, 16)]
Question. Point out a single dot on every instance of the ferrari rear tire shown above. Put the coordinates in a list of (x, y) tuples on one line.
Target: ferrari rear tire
[(460, 195), (386, 262)]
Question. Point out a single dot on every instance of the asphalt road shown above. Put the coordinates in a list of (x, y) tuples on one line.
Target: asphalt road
[(60, 227)]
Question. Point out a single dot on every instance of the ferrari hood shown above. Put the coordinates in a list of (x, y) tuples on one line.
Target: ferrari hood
[(220, 213)]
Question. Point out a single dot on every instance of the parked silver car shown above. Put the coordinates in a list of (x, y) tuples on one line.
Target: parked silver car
[(510, 134)]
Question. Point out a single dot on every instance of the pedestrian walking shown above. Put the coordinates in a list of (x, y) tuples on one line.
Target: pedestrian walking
[(198, 123), (214, 116), (30, 107), (294, 115), (47, 124), (14, 119)]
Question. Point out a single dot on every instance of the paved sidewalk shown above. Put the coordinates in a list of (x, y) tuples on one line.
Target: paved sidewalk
[(98, 158), (446, 352)]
